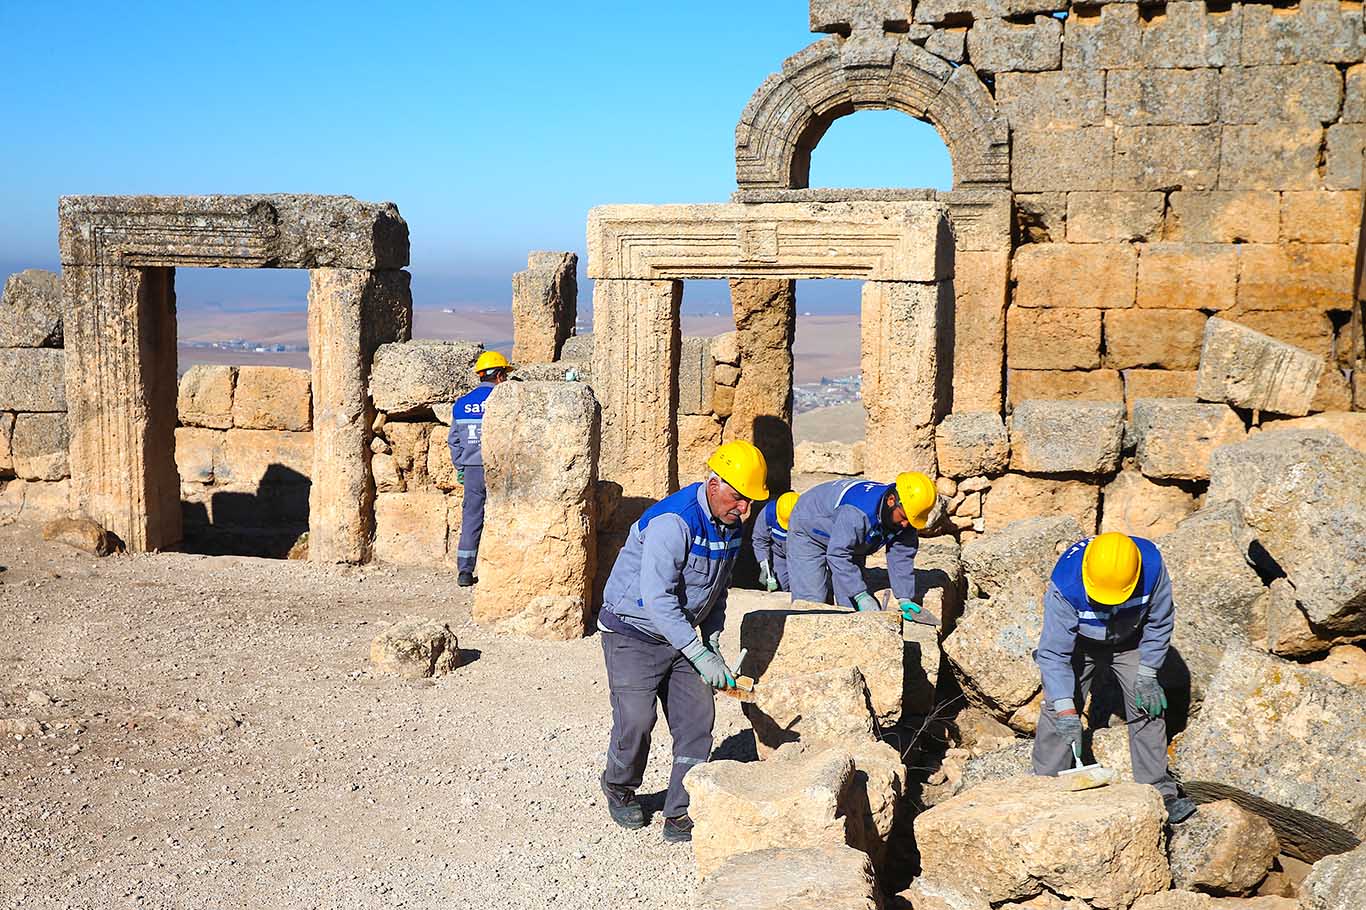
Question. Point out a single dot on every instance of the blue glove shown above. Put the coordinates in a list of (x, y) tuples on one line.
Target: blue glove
[(909, 609), (865, 602), (460, 476), (1148, 695), (709, 665)]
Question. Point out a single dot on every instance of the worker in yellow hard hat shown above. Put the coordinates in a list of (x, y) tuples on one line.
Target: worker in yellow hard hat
[(837, 524), (769, 541), (467, 454), (1108, 606), (662, 613)]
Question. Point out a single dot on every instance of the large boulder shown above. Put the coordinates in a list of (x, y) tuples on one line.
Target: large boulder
[(31, 310), (1285, 742), (1063, 437), (413, 375), (1304, 494), (992, 648), (1245, 368), (1173, 437), (1032, 544), (82, 533), (1336, 882), (1013, 839), (823, 708), (792, 878), (1223, 849), (415, 648)]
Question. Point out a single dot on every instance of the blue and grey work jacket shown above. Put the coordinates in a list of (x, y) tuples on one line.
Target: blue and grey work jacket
[(769, 541), (845, 516), (1147, 616), (466, 437), (673, 572)]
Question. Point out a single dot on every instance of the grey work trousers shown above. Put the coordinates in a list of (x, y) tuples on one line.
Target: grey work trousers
[(638, 673), (1147, 735), (809, 572), (471, 519), (780, 571)]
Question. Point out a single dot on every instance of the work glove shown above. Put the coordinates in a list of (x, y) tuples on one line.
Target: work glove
[(1148, 695), (709, 665), (460, 476), (714, 642), (865, 602), (1069, 728), (909, 609), (766, 577)]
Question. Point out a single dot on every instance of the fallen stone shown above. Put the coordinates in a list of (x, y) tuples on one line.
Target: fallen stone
[(1287, 631), (992, 647), (792, 878), (880, 775), (205, 396), (1010, 840), (1174, 437), (1017, 496), (1060, 437), (971, 443), (1195, 900), (828, 458), (1336, 882), (544, 306), (273, 398), (824, 708), (31, 310), (414, 375), (1245, 368), (1132, 504), (1222, 849), (1284, 742), (415, 648), (82, 533), (1350, 425), (1032, 544), (925, 894), (1345, 664)]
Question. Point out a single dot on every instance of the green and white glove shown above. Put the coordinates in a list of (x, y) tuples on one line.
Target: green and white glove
[(709, 665), (1148, 695), (909, 609), (768, 577), (865, 602), (714, 642), (460, 476)]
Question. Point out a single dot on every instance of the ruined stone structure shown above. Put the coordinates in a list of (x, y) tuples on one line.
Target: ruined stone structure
[(545, 306)]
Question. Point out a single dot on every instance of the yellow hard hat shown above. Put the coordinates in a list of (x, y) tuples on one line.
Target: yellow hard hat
[(786, 503), (1110, 568), (742, 466), (917, 495), (491, 360)]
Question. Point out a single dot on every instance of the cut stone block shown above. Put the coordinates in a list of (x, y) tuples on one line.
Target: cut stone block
[(257, 458), (698, 437), (410, 528), (1153, 338), (992, 647), (1175, 436), (39, 446), (1157, 384), (1060, 437), (1065, 385), (971, 444), (1269, 156), (32, 379), (980, 282), (792, 878), (198, 453), (828, 458), (1017, 496), (415, 648), (1350, 425), (695, 376), (1296, 276), (1189, 276), (1163, 97), (1320, 217), (1113, 217), (998, 46), (1052, 339), (1222, 849), (1157, 157), (1223, 216), (1310, 330), (545, 301), (1030, 544), (1255, 371), (1134, 505), (273, 398), (821, 709), (412, 375), (1095, 275), (205, 397), (31, 310)]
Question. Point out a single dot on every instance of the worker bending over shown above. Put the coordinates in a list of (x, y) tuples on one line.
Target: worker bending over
[(465, 440), (662, 613), (770, 542), (1108, 606), (837, 524)]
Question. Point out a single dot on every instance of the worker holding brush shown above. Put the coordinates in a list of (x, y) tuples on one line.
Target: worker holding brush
[(1108, 607)]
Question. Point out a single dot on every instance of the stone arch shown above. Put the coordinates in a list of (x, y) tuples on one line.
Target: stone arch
[(833, 77)]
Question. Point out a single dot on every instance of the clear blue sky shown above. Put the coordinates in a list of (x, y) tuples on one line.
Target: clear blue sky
[(493, 126)]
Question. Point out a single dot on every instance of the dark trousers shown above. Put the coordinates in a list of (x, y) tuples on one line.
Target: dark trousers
[(638, 673), (471, 519)]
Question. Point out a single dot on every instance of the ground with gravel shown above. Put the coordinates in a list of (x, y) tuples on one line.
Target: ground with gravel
[(188, 731)]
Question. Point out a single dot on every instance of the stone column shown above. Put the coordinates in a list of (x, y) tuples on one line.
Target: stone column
[(980, 280), (120, 338), (907, 329), (765, 328), (351, 312), (545, 305), (537, 558)]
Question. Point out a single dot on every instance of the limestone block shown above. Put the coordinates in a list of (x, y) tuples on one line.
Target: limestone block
[(1163, 97), (256, 458), (1134, 505), (1157, 384), (948, 44), (536, 563), (1305, 329), (1345, 143), (272, 398), (698, 437), (695, 385), (820, 709), (440, 469), (979, 283), (727, 375), (971, 443), (1345, 664), (578, 348), (39, 446), (761, 410), (998, 46), (1040, 218), (1307, 93), (1318, 30), (1012, 839), (1223, 216), (1062, 437), (412, 375), (1350, 425), (1196, 900), (6, 453), (1064, 385), (1277, 156), (1113, 217), (1016, 496), (726, 348), (1052, 338), (205, 396), (415, 648), (1334, 392), (792, 878), (1195, 276), (82, 534), (1301, 491), (991, 649), (1288, 631), (31, 310), (828, 458), (921, 644), (1098, 275), (35, 500), (1061, 159), (1030, 545), (387, 476), (1354, 99), (410, 528), (812, 637), (1312, 276), (1103, 39), (1223, 849), (722, 400), (198, 453), (880, 773), (1336, 882), (1156, 157), (32, 379), (1284, 742), (1255, 371), (1051, 100), (545, 303), (1187, 35), (1175, 436), (1145, 337)]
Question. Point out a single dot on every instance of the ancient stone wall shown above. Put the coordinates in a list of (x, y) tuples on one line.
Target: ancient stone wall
[(545, 306)]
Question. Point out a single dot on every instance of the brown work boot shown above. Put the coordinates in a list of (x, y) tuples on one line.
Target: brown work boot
[(678, 830)]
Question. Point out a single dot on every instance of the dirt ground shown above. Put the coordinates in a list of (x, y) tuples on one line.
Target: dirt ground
[(189, 731)]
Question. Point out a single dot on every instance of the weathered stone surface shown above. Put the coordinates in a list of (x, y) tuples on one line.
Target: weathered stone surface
[(1269, 156), (1188, 35), (39, 446), (792, 878), (1192, 276), (34, 500), (1320, 217), (1344, 663), (992, 647), (198, 453), (1153, 338), (1102, 39), (1052, 338), (1163, 97), (1061, 159), (1157, 384), (1197, 900), (695, 385), (971, 444), (1134, 505), (32, 379), (205, 397), (698, 437), (1223, 849), (1288, 631), (980, 282), (1030, 544), (820, 709), (1223, 216), (1302, 492), (536, 562), (1159, 157), (1099, 275), (998, 46), (415, 648), (272, 398), (409, 443), (83, 534), (1064, 385), (1334, 392), (727, 375), (1252, 370), (761, 410), (1305, 329), (6, 455), (1012, 839), (1017, 496), (1295, 276), (31, 310), (1113, 217), (410, 528), (1336, 882), (1050, 100), (1061, 437), (1345, 143), (1175, 436), (1350, 425), (1319, 30), (828, 458), (545, 303), (255, 458), (1041, 217), (1284, 742), (413, 375)]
